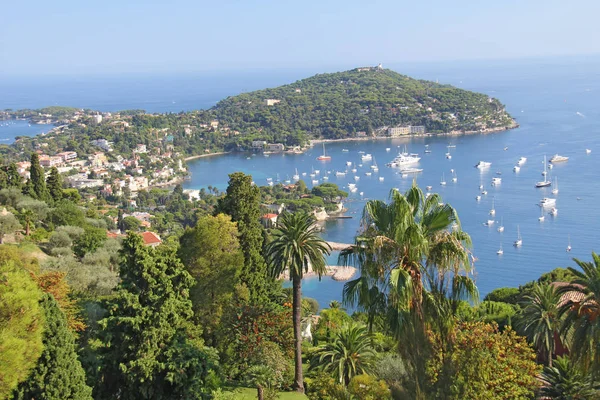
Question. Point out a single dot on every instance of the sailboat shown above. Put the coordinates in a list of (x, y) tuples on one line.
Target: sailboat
[(500, 251), (454, 178), (501, 227), (374, 167), (427, 150), (555, 188), (569, 245), (324, 157), (541, 218), (519, 241), (493, 210), (296, 177), (443, 181), (545, 182)]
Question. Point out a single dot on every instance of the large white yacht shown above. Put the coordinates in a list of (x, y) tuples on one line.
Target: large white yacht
[(483, 164), (556, 159)]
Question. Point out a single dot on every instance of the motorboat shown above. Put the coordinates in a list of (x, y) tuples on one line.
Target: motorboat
[(356, 177), (569, 245), (404, 159), (557, 158), (340, 173), (547, 202), (483, 164), (588, 151), (490, 222), (449, 156), (493, 210), (522, 161), (367, 173), (315, 181), (366, 157), (516, 168), (388, 149), (554, 211), (429, 188), (381, 179), (496, 181), (345, 150), (477, 197), (349, 163), (325, 178)]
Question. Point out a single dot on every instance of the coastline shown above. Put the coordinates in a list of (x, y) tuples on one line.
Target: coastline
[(336, 272), (206, 155)]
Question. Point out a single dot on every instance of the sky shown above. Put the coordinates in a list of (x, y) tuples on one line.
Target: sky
[(40, 37)]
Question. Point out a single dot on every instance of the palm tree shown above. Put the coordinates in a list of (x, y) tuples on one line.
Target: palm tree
[(539, 319), (349, 354), (28, 215), (262, 377), (581, 326), (297, 248), (565, 381), (415, 269)]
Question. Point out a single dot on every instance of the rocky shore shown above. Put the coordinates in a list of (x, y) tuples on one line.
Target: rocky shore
[(336, 272)]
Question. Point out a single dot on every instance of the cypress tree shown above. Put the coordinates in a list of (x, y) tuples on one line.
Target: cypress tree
[(14, 179), (58, 374), (242, 203), (54, 184), (38, 180)]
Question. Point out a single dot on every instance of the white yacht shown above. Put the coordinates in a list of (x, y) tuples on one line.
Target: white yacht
[(556, 159), (366, 157), (555, 186), (588, 151), (522, 161), (483, 164), (493, 210), (547, 202), (449, 156), (519, 241), (496, 181), (325, 178), (403, 160), (368, 174)]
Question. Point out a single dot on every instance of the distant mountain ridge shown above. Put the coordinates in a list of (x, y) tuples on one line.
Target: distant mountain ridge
[(370, 99)]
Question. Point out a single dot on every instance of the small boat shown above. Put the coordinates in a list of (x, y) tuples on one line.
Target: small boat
[(484, 192), (554, 211), (500, 251), (340, 173), (506, 148), (452, 146), (454, 178), (269, 179), (325, 178), (588, 151), (493, 210), (522, 161), (448, 156), (483, 164), (374, 167), (353, 169), (569, 245), (519, 241), (547, 202), (270, 183), (317, 171), (265, 154), (381, 179), (388, 149), (411, 170), (356, 177), (429, 188), (501, 227), (368, 174), (315, 181), (490, 222), (516, 168), (541, 217), (477, 197), (324, 157), (556, 159), (304, 174), (345, 150), (443, 181), (360, 165), (349, 163), (427, 150), (351, 185), (550, 166), (555, 188), (366, 157), (361, 152), (296, 177), (496, 181), (362, 193)]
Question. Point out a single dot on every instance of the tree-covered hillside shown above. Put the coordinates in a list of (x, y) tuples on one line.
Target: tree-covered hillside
[(341, 104)]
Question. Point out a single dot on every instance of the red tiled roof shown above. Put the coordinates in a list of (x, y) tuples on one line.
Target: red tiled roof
[(269, 216), (150, 238), (113, 235)]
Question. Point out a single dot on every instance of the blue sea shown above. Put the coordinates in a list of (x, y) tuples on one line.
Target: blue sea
[(555, 101)]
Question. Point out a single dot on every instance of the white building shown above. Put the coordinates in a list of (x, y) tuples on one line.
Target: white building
[(271, 102), (98, 118)]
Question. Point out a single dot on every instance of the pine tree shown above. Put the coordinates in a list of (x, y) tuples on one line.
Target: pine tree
[(58, 374), (242, 203), (54, 184), (37, 178), (148, 348)]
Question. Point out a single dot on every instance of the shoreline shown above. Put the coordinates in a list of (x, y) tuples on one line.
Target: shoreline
[(220, 153), (336, 272)]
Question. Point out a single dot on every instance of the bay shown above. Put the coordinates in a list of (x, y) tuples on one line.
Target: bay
[(9, 130), (557, 112)]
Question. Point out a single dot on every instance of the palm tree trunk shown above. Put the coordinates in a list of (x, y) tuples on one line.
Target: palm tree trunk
[(261, 392), (297, 314), (27, 228)]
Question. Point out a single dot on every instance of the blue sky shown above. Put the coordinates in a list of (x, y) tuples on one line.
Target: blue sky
[(40, 37)]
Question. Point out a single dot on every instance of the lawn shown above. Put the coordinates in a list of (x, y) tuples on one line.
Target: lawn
[(250, 394)]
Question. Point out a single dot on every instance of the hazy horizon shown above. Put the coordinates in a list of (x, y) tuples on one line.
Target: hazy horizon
[(80, 38)]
